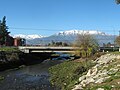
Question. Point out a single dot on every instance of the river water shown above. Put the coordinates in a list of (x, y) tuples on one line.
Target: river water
[(34, 77)]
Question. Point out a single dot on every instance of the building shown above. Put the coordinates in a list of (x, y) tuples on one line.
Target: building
[(19, 41), (9, 41)]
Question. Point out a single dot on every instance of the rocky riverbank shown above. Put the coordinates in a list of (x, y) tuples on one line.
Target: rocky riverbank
[(105, 75), (13, 59), (9, 59), (102, 73)]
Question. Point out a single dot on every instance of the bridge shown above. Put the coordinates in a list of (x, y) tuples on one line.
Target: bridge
[(37, 49)]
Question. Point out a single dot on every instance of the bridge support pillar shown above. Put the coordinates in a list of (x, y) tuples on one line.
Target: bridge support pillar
[(27, 51), (119, 49)]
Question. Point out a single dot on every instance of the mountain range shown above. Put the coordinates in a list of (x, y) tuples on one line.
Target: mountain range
[(67, 36), (28, 37)]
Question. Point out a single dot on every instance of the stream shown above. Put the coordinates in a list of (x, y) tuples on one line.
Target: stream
[(33, 77)]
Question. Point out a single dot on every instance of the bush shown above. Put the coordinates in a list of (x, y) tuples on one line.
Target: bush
[(87, 45)]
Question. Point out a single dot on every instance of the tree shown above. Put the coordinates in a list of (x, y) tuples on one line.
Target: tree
[(87, 45), (3, 31), (117, 40), (118, 1)]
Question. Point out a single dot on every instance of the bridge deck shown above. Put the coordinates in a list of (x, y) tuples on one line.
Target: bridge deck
[(36, 49)]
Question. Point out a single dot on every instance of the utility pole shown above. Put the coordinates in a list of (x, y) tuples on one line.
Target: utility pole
[(119, 32), (119, 36)]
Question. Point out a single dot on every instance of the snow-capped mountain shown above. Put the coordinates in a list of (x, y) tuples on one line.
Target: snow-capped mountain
[(67, 36), (76, 32), (70, 37), (28, 37)]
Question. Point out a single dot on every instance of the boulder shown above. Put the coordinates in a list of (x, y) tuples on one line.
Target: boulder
[(100, 89)]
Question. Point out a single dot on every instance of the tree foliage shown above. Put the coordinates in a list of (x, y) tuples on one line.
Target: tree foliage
[(58, 44), (118, 1), (3, 31), (87, 45)]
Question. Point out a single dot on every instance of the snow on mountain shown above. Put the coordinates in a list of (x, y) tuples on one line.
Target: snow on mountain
[(29, 37), (75, 32), (67, 36), (61, 33), (71, 35)]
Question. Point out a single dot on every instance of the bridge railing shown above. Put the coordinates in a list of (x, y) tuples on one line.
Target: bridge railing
[(29, 49)]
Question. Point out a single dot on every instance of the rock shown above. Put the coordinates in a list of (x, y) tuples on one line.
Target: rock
[(99, 73), (107, 58), (118, 57), (78, 87), (22, 66), (92, 72), (102, 79), (113, 71), (82, 78), (89, 73), (112, 86), (103, 73), (65, 84), (100, 89), (118, 82), (118, 65), (87, 81)]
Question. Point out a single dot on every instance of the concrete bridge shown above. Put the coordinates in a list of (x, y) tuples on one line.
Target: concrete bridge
[(38, 49)]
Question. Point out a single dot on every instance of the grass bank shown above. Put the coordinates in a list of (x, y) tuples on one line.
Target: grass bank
[(66, 74), (103, 73), (9, 49), (12, 57)]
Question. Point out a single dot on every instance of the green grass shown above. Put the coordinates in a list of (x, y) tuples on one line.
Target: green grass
[(1, 78), (8, 49), (116, 52), (105, 87), (66, 75)]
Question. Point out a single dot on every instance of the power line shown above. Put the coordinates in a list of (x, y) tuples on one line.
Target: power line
[(35, 29), (22, 28)]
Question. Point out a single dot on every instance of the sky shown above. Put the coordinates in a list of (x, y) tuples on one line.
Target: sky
[(47, 17)]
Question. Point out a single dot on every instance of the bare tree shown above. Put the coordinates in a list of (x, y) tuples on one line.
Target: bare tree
[(86, 44), (117, 40)]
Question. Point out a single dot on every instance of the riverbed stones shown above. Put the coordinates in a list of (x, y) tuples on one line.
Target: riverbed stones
[(100, 89), (92, 72), (82, 78), (78, 87), (113, 71)]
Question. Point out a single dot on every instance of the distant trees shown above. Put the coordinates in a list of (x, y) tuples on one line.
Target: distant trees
[(109, 44), (3, 31), (58, 44), (87, 45)]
